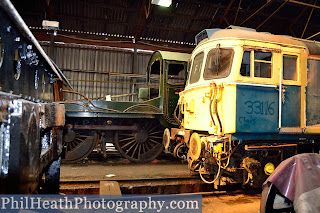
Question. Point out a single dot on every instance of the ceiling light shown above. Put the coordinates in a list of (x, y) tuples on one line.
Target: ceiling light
[(50, 25), (164, 3)]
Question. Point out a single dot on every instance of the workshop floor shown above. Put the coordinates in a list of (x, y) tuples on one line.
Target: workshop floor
[(117, 168)]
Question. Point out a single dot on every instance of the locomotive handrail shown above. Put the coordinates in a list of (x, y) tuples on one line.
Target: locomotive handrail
[(252, 84), (280, 99), (68, 91)]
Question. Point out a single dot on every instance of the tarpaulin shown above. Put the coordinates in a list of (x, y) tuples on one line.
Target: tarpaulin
[(298, 179)]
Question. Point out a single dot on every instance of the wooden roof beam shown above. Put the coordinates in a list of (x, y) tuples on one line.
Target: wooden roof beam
[(225, 13), (256, 12), (272, 15), (303, 3)]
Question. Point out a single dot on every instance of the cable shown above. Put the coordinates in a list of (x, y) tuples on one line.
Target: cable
[(93, 40), (216, 178)]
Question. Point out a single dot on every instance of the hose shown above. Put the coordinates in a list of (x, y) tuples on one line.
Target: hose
[(217, 113), (249, 172), (210, 107), (216, 178), (247, 181)]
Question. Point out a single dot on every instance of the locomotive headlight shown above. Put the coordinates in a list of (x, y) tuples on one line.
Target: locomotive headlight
[(269, 168)]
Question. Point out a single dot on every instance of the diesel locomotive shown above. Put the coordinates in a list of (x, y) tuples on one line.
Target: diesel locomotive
[(251, 100)]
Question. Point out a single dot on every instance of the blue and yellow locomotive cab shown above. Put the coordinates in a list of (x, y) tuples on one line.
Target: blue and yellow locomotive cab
[(251, 100)]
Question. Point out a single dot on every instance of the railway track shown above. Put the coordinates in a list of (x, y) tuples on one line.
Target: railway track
[(146, 186), (150, 186)]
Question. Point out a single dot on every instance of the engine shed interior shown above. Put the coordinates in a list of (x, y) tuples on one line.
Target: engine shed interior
[(216, 99)]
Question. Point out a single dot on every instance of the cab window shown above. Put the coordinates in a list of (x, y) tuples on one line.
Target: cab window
[(262, 62), (154, 81), (176, 73), (245, 65), (218, 64), (196, 68), (290, 68)]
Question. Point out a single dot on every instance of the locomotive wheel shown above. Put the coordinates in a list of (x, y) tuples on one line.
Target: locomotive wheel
[(192, 165), (166, 139), (78, 144), (143, 145)]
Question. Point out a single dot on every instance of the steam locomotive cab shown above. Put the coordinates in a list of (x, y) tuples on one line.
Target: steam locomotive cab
[(249, 103)]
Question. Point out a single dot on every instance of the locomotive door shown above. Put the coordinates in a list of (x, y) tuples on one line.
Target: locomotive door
[(174, 75), (290, 94)]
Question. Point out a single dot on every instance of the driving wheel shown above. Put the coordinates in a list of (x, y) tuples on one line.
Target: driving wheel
[(78, 144), (142, 145)]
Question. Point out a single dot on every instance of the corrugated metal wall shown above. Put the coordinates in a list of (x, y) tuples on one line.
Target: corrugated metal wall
[(97, 71)]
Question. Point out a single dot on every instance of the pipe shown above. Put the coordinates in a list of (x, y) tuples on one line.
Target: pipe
[(280, 98)]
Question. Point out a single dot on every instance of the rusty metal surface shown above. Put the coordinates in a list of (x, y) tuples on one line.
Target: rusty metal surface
[(25, 149), (30, 125), (181, 132), (52, 115)]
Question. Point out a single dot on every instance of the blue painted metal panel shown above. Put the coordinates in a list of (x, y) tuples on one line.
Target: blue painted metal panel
[(273, 137), (313, 93), (291, 108), (257, 109)]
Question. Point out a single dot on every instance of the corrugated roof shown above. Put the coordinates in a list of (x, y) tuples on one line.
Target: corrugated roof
[(180, 22)]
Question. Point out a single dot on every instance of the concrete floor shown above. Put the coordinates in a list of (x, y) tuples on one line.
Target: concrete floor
[(120, 169), (240, 203)]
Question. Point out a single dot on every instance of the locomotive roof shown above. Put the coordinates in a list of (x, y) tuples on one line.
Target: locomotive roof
[(173, 55), (312, 46)]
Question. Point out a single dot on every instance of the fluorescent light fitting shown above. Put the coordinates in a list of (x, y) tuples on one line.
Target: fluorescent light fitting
[(51, 25), (164, 3)]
